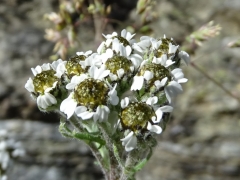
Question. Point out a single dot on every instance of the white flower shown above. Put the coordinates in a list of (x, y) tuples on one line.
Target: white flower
[(44, 97), (185, 56), (130, 141), (70, 105)]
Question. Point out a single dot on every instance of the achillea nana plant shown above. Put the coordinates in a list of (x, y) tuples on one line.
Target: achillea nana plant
[(117, 99)]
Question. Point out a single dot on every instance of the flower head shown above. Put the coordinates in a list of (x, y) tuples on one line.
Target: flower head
[(44, 84), (91, 95)]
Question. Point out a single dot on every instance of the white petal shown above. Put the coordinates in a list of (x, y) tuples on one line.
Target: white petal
[(124, 102), (55, 64), (46, 100), (172, 89), (169, 63), (45, 67), (172, 48), (185, 56), (41, 102), (128, 50), (166, 108), (137, 83), (154, 128), (163, 59), (163, 81), (159, 114), (130, 141), (100, 48), (148, 75), (98, 73), (123, 33), (152, 100), (60, 69), (120, 73), (50, 99), (101, 113), (113, 98), (29, 85), (183, 80), (68, 106), (81, 111)]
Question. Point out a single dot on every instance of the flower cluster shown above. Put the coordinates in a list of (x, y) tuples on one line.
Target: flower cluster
[(135, 81)]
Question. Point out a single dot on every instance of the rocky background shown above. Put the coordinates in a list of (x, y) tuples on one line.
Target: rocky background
[(202, 140)]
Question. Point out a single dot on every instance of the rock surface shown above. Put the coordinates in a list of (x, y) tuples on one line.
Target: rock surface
[(202, 139)]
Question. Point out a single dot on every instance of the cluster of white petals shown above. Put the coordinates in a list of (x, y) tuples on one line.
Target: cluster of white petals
[(128, 73)]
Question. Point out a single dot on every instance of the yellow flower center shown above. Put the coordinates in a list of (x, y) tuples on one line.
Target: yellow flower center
[(136, 116), (44, 80), (118, 62), (73, 67), (91, 93), (163, 48), (159, 72), (123, 40)]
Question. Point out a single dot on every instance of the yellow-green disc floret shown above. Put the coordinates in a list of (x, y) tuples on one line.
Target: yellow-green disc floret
[(91, 93), (73, 67), (164, 47), (159, 72), (122, 40), (118, 62), (136, 116), (44, 80)]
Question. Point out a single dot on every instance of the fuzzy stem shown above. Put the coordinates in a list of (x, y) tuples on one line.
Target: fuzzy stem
[(100, 160), (114, 164)]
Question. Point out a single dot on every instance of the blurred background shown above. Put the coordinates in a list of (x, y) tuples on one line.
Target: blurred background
[(202, 139)]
